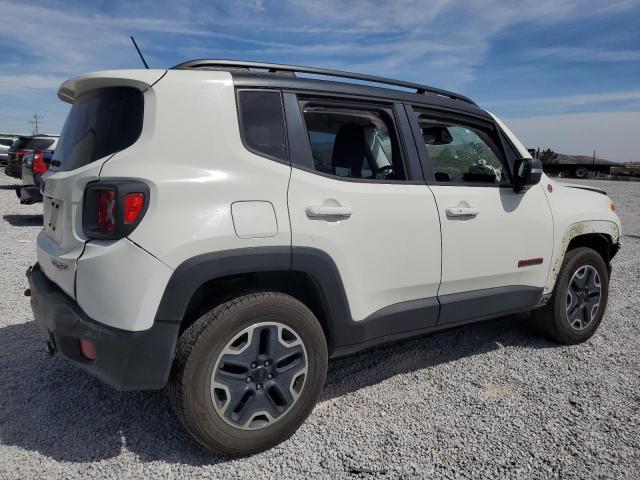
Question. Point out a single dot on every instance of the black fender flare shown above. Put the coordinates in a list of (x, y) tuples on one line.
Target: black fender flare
[(345, 334)]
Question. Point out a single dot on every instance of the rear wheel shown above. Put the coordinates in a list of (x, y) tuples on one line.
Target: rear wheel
[(581, 172), (579, 299), (248, 373)]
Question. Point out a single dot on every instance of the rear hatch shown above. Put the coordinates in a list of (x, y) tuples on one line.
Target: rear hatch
[(106, 117), (12, 154), (24, 145)]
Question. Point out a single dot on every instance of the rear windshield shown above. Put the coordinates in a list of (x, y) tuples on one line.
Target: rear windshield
[(100, 123), (18, 144), (38, 143)]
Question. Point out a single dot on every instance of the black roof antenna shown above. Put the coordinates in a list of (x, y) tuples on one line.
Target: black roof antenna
[(139, 53)]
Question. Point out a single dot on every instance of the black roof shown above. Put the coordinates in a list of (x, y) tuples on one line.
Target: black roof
[(283, 76)]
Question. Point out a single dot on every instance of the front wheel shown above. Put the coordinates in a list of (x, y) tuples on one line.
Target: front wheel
[(579, 299), (248, 373)]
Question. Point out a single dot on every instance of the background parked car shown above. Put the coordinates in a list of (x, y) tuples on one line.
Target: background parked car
[(22, 146), (5, 143), (34, 165)]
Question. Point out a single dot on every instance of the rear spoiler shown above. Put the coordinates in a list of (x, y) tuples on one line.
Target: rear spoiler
[(140, 79)]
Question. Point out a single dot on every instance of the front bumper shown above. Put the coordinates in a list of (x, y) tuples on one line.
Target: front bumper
[(125, 360)]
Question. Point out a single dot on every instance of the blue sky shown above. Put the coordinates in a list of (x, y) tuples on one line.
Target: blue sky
[(539, 63)]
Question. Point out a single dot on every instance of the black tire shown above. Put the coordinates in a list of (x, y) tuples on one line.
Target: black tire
[(201, 348), (553, 319), (582, 172)]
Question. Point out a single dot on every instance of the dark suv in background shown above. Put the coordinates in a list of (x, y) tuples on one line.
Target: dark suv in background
[(24, 145)]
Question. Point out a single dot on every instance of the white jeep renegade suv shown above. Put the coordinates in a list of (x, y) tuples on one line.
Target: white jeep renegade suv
[(318, 218)]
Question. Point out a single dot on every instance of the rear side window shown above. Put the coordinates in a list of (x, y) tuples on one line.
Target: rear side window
[(100, 123), (262, 123)]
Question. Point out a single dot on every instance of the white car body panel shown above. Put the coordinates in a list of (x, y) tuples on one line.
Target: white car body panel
[(126, 284), (387, 252), (195, 199), (575, 212), (483, 251), (209, 193)]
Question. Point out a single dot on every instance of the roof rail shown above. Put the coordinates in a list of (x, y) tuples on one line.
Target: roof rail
[(277, 67)]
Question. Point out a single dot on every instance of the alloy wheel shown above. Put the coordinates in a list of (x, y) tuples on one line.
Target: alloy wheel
[(583, 297), (259, 375)]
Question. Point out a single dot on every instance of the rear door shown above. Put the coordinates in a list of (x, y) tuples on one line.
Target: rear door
[(101, 122), (496, 243), (357, 195)]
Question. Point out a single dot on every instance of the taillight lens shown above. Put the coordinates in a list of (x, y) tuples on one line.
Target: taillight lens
[(21, 153), (112, 209), (39, 166), (133, 205), (105, 216)]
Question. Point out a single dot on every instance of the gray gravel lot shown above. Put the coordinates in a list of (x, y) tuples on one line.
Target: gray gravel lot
[(491, 400)]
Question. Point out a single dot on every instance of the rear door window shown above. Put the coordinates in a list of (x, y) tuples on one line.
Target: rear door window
[(101, 122), (353, 142)]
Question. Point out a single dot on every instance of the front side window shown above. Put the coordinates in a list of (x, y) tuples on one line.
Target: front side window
[(353, 143), (462, 154)]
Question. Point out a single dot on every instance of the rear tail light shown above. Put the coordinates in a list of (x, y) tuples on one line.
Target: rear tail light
[(105, 215), (133, 205), (21, 153), (39, 166), (113, 209)]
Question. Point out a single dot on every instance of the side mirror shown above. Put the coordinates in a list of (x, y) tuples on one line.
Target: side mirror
[(526, 172)]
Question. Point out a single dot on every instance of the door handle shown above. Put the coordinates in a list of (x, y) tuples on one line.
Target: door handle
[(462, 211), (328, 212)]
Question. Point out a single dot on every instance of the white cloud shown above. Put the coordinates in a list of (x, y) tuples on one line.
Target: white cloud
[(440, 42), (576, 54), (614, 135), (11, 83), (568, 101)]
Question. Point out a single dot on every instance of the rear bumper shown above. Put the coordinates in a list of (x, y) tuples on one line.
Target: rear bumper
[(29, 195), (125, 360)]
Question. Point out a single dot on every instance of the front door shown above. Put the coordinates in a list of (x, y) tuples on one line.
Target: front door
[(496, 243)]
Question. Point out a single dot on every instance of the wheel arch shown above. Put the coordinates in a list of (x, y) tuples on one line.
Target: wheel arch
[(207, 280), (601, 236)]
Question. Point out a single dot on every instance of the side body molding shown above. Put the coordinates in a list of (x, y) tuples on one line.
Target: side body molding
[(346, 336)]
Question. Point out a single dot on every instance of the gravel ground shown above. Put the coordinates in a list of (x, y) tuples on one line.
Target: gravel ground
[(492, 400)]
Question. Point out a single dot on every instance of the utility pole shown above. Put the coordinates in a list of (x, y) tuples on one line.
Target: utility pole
[(35, 122), (594, 157)]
